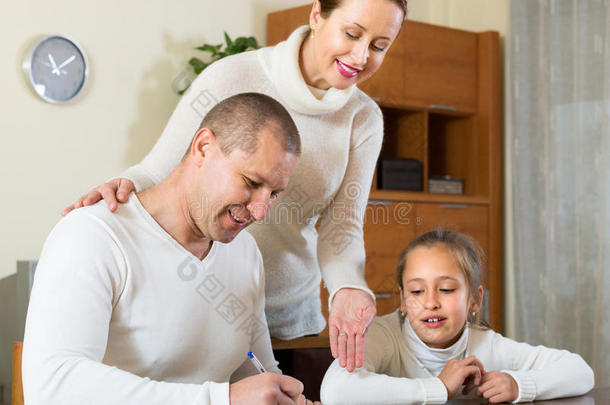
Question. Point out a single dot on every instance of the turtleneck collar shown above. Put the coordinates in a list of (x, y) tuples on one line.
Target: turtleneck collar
[(431, 359), (284, 71)]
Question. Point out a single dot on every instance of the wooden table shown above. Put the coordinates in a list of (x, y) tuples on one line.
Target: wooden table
[(306, 342), (597, 396)]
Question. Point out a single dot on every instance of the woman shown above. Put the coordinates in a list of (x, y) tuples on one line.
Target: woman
[(313, 74)]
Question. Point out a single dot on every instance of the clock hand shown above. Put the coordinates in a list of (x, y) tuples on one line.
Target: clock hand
[(67, 61), (52, 60), (58, 70), (54, 71)]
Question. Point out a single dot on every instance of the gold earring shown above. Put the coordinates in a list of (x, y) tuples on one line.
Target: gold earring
[(313, 31)]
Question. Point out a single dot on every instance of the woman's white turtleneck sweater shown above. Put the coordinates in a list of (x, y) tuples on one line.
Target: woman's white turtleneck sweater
[(341, 135), (401, 369)]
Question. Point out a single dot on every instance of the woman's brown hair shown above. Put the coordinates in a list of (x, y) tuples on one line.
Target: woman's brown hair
[(328, 6)]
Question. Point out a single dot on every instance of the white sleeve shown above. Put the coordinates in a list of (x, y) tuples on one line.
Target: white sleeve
[(260, 340), (210, 87), (341, 240), (369, 384), (79, 278), (541, 372), (340, 387)]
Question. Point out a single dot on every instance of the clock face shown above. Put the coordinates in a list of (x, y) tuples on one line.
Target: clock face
[(57, 69)]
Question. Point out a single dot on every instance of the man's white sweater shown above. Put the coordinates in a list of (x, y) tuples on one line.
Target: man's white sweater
[(400, 369), (341, 136), (121, 313)]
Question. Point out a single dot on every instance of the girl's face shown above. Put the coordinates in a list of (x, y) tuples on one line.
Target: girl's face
[(436, 297), (349, 45)]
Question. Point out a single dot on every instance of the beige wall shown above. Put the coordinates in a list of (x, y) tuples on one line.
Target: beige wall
[(472, 15), (51, 154)]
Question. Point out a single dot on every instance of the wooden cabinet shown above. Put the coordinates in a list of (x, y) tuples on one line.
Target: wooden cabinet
[(428, 67), (441, 67), (470, 219), (388, 226), (390, 90), (439, 91)]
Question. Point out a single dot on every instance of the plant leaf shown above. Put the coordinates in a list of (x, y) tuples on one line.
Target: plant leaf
[(228, 40), (252, 43), (240, 44), (213, 49), (198, 65)]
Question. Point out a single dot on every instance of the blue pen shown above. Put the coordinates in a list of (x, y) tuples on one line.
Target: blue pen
[(256, 363)]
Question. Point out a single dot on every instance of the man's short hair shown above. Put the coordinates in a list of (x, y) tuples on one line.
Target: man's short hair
[(237, 121)]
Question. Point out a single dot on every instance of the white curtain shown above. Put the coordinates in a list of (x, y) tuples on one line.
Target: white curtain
[(559, 56)]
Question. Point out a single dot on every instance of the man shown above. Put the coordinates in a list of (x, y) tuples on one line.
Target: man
[(161, 301)]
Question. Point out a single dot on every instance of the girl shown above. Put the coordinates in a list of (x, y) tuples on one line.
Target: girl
[(313, 74), (435, 344)]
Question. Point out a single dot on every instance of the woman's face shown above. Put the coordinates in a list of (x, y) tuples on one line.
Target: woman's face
[(350, 44)]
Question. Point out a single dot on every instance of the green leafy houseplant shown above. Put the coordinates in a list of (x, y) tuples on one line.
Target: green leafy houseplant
[(232, 47)]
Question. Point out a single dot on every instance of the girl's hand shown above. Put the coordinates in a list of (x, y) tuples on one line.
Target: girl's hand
[(498, 387), (457, 372), (116, 189)]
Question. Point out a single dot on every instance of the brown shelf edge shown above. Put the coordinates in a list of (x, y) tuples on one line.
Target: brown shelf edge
[(419, 196), (415, 108), (307, 342)]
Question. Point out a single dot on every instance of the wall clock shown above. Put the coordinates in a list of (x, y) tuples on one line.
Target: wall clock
[(56, 68)]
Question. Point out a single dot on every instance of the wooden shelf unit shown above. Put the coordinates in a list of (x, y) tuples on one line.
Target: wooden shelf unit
[(439, 91)]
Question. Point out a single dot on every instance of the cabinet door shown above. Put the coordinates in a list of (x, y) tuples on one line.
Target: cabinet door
[(470, 219), (440, 67), (281, 23), (388, 228)]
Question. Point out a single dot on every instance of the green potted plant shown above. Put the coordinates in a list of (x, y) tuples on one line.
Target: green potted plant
[(216, 52)]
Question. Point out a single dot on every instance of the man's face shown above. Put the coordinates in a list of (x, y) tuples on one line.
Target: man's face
[(237, 189)]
